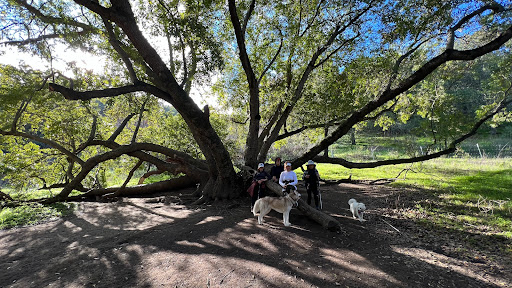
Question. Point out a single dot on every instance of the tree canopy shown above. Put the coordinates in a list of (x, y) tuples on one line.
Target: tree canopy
[(277, 69)]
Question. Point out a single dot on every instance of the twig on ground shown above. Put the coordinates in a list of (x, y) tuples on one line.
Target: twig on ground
[(390, 225), (222, 280)]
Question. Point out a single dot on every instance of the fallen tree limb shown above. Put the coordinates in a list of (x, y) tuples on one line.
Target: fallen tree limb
[(327, 221), (147, 189)]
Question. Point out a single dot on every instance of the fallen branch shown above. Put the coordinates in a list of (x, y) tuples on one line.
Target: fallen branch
[(147, 189), (390, 225), (327, 221)]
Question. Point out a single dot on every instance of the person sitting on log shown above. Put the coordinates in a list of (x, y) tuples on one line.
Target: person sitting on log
[(259, 180), (311, 179), (276, 170), (288, 178)]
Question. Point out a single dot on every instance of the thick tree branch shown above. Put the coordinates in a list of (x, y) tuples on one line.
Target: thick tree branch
[(242, 49), (270, 123), (120, 51), (92, 162), (147, 189), (390, 94), (71, 94), (120, 128), (19, 112), (338, 30), (251, 151), (173, 156)]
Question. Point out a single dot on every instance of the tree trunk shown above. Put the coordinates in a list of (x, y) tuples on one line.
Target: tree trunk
[(352, 137), (326, 132)]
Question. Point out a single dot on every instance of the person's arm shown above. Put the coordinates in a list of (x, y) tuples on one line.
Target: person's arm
[(295, 180), (281, 179)]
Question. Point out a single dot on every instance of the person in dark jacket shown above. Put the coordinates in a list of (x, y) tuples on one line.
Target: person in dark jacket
[(311, 179), (276, 170), (259, 180)]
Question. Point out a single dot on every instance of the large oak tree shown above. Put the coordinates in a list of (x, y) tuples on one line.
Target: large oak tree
[(273, 58)]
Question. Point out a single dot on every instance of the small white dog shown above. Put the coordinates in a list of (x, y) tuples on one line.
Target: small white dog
[(282, 205), (357, 209)]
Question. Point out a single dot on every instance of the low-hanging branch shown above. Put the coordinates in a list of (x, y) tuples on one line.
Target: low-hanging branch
[(451, 147), (116, 152), (71, 94)]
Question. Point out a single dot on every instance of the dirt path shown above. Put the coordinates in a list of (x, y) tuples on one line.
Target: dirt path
[(140, 244)]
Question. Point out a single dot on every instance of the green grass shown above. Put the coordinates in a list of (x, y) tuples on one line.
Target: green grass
[(465, 194), (33, 213)]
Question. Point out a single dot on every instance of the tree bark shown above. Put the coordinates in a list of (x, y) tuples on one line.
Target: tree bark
[(326, 132), (251, 145)]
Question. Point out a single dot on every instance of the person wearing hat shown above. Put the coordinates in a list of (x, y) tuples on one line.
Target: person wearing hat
[(276, 171), (259, 180), (288, 179), (311, 179)]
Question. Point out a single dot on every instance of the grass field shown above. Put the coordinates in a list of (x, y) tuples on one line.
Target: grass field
[(31, 213), (464, 193)]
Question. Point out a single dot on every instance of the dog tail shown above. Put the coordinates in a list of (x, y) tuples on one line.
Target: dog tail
[(351, 201), (256, 207)]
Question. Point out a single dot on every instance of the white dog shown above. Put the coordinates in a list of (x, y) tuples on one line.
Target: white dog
[(282, 205), (357, 209)]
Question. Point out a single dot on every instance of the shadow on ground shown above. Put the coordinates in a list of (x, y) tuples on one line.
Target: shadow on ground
[(139, 244)]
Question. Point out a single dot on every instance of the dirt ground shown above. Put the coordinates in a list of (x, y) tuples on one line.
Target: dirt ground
[(143, 243)]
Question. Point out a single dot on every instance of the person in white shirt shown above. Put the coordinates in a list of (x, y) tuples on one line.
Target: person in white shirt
[(288, 178)]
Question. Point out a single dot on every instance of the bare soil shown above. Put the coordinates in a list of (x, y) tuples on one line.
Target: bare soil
[(140, 242)]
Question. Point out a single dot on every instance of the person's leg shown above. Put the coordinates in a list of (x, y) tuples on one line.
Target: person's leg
[(263, 192), (317, 197), (255, 194), (308, 188)]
